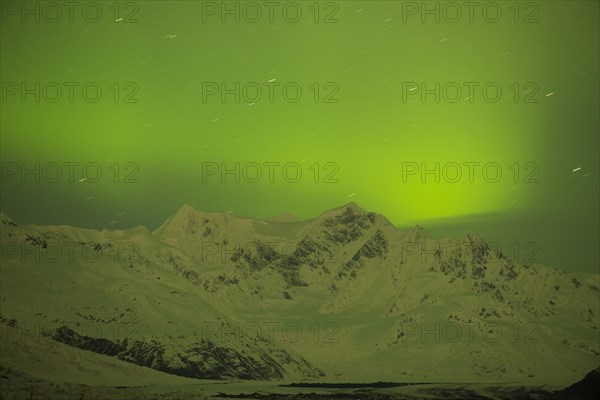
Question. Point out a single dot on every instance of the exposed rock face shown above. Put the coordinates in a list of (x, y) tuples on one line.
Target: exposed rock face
[(348, 283), (203, 359)]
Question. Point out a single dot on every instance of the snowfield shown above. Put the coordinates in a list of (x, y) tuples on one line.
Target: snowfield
[(211, 303)]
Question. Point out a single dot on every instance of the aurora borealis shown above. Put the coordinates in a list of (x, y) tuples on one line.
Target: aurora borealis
[(156, 124)]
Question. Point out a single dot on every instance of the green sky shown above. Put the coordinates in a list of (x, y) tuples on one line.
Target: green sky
[(161, 141)]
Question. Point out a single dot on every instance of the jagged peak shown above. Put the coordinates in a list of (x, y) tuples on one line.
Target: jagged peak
[(185, 213), (183, 219), (353, 207), (417, 233), (188, 219), (474, 238), (186, 208), (6, 220)]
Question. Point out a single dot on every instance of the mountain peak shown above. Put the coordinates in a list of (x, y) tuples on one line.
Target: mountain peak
[(283, 217), (352, 207), (6, 220), (186, 208), (474, 238), (349, 208), (184, 219), (417, 233)]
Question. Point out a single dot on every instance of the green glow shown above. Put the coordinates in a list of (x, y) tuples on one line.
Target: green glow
[(368, 134)]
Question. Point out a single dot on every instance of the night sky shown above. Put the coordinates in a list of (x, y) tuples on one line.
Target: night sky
[(361, 124)]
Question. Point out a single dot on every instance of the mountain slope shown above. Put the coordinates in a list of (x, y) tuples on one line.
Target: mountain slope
[(345, 296)]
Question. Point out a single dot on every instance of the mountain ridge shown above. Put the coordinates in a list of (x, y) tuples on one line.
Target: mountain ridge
[(374, 290)]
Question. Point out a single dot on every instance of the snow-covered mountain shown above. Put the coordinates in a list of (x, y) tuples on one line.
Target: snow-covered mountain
[(345, 296)]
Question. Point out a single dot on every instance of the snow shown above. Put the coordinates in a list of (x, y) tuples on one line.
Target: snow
[(373, 303)]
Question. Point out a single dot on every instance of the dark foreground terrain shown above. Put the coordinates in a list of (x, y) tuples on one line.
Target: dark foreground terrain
[(17, 386)]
